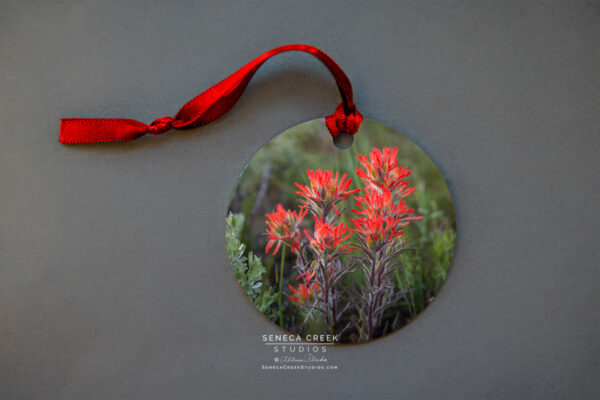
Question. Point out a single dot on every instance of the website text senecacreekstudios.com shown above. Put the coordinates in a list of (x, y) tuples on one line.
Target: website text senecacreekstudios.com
[(288, 367)]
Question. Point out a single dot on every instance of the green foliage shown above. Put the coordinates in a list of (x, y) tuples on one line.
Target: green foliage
[(248, 270), (426, 268)]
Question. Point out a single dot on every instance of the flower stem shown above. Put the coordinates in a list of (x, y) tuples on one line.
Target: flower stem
[(281, 285)]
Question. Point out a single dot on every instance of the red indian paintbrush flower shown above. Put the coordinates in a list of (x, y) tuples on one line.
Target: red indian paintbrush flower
[(306, 291), (329, 237), (308, 275), (282, 227), (304, 294), (381, 170), (324, 187), (380, 219), (374, 203), (378, 229)]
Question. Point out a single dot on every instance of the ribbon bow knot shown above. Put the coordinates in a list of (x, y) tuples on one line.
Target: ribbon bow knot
[(160, 126)]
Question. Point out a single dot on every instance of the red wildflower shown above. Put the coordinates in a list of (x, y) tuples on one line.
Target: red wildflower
[(324, 186), (381, 170), (380, 218), (282, 227), (328, 236), (375, 203), (378, 229), (304, 294), (308, 275)]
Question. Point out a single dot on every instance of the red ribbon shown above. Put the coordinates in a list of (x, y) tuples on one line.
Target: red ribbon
[(211, 105)]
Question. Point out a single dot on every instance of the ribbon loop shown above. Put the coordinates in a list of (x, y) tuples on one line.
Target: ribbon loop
[(212, 104)]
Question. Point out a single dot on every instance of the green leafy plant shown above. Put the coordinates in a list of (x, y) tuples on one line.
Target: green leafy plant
[(248, 270)]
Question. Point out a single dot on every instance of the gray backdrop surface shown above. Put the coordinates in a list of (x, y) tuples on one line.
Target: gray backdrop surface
[(114, 280)]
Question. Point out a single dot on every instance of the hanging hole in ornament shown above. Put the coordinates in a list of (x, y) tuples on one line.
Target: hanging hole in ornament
[(343, 141)]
